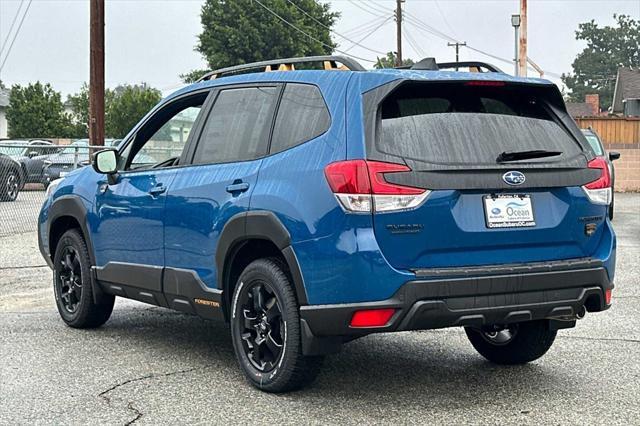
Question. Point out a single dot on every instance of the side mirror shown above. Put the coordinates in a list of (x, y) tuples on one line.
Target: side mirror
[(614, 155), (106, 162), (32, 154)]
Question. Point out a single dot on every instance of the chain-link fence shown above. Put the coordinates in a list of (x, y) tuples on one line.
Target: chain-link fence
[(26, 169)]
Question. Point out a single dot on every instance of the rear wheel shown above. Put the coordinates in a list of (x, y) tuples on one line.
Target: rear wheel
[(72, 284), (265, 330), (517, 343), (9, 185)]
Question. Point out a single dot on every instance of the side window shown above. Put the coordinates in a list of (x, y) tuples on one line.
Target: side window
[(160, 142), (302, 116), (238, 126)]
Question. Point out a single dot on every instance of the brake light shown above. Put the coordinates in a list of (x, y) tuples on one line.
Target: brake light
[(360, 186), (599, 191), (372, 318)]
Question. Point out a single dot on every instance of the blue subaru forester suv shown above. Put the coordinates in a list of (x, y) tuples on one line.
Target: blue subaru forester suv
[(309, 208)]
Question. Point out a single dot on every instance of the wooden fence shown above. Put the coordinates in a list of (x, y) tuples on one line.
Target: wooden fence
[(615, 132), (623, 135)]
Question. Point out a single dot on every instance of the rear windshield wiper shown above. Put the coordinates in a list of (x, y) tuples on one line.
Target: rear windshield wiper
[(525, 155)]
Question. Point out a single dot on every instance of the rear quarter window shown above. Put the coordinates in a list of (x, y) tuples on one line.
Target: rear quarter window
[(302, 116)]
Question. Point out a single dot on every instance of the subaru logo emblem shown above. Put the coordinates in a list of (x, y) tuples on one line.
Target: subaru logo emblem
[(513, 178)]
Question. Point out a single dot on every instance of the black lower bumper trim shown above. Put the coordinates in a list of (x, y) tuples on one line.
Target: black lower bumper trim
[(472, 301)]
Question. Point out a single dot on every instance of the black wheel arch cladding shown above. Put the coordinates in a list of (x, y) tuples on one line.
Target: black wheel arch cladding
[(70, 206), (257, 225)]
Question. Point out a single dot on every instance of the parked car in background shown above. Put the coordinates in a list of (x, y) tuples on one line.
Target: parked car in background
[(10, 178), (71, 157), (31, 156), (609, 157)]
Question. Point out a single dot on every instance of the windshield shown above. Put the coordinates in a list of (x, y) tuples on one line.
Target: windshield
[(76, 147), (11, 150), (595, 144), (461, 125)]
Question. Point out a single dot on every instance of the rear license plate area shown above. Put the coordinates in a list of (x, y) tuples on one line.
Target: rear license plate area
[(508, 211)]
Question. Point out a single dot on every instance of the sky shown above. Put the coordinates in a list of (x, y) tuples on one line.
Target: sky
[(153, 40)]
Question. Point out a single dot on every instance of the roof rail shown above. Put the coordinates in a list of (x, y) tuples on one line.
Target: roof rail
[(470, 64), (428, 64), (329, 62)]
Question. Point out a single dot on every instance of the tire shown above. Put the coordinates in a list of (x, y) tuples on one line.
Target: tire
[(518, 344), (9, 185), (265, 330), (72, 284), (611, 208)]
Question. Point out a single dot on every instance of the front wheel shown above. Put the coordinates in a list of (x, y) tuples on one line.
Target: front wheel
[(72, 284), (265, 330), (517, 343)]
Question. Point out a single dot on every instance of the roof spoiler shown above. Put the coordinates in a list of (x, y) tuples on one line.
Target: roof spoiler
[(330, 62)]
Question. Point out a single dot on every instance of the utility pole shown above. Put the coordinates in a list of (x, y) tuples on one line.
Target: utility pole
[(522, 55), (399, 32), (457, 45), (96, 73)]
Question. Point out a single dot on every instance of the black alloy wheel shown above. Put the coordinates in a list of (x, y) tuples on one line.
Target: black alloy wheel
[(69, 280), (502, 336), (263, 330), (266, 330), (516, 343), (72, 286)]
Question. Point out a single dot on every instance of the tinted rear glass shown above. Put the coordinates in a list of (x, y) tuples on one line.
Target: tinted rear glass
[(238, 125), (302, 116), (454, 124)]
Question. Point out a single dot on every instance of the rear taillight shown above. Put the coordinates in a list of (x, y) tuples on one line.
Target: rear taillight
[(360, 186), (599, 191)]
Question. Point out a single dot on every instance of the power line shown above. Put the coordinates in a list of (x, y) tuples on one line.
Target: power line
[(375, 6), (15, 36), (434, 31), (13, 23), (444, 18), (362, 28), (307, 34), (361, 7), (413, 43), (371, 32), (334, 32)]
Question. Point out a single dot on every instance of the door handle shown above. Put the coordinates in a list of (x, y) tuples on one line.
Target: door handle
[(157, 190), (237, 187)]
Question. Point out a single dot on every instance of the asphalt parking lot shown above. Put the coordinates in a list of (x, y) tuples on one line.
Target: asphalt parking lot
[(150, 365)]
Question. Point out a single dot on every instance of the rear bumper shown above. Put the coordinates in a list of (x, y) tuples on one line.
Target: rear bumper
[(476, 297)]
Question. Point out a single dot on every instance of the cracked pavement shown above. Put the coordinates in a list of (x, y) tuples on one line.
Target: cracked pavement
[(150, 365)]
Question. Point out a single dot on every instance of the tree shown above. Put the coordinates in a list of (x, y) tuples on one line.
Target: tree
[(608, 48), (37, 111), (243, 31), (390, 61), (126, 105), (79, 104)]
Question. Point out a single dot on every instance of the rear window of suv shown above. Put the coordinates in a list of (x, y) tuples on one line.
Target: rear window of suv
[(458, 124)]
